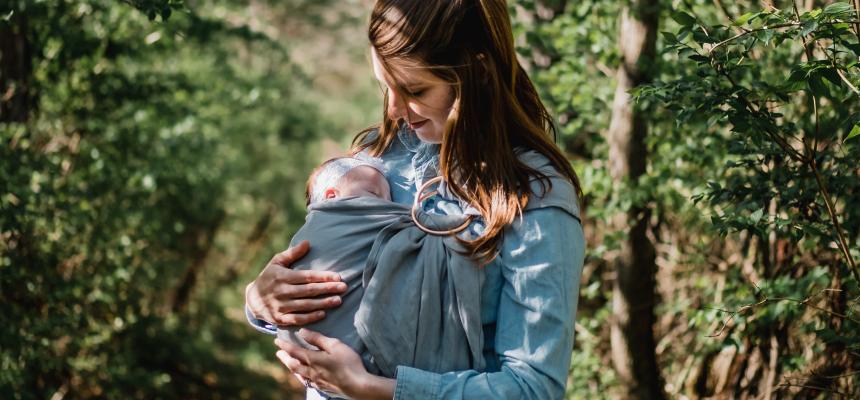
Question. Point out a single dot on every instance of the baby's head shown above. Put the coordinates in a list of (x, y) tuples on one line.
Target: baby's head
[(347, 176)]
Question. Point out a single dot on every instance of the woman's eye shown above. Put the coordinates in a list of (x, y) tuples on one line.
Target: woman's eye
[(416, 93)]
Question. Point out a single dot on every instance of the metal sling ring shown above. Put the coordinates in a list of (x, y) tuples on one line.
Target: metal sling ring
[(420, 197)]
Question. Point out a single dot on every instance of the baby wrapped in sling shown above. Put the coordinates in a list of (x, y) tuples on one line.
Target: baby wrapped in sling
[(413, 294)]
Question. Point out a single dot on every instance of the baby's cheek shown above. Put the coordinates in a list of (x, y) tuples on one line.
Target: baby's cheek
[(343, 191), (385, 189)]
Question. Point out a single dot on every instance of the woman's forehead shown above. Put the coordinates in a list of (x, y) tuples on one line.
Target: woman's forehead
[(401, 72)]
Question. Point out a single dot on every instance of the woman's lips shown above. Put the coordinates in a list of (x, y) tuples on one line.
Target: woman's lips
[(417, 125)]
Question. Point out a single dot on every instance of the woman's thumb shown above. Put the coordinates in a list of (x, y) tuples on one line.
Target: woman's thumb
[(317, 339), (289, 256)]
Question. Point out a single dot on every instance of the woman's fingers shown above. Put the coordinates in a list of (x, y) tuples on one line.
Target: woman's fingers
[(306, 291), (304, 381), (297, 319), (289, 297), (294, 351), (308, 305), (256, 304), (295, 305), (293, 364), (307, 276), (317, 339)]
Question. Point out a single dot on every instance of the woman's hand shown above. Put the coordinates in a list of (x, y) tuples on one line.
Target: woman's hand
[(287, 297), (335, 367)]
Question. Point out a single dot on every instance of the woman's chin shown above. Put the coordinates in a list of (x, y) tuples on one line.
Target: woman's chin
[(428, 137)]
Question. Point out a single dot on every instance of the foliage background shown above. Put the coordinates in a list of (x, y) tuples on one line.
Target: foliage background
[(154, 152)]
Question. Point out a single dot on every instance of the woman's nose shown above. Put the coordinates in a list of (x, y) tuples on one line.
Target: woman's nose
[(396, 106)]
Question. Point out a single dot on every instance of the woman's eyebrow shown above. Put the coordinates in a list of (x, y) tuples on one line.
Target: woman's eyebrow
[(409, 83)]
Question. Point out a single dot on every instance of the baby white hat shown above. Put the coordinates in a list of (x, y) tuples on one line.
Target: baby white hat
[(335, 169)]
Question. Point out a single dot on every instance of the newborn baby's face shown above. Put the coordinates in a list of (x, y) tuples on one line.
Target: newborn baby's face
[(364, 181)]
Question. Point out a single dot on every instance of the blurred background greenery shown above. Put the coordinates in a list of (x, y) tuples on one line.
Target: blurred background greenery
[(153, 154)]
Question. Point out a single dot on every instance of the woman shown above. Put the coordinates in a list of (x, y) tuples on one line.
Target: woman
[(451, 77)]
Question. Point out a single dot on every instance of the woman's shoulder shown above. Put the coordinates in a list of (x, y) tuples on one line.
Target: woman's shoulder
[(554, 191)]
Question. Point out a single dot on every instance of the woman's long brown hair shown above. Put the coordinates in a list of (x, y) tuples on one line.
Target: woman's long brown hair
[(496, 108)]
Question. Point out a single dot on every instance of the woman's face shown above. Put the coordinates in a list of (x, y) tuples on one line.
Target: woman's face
[(425, 105)]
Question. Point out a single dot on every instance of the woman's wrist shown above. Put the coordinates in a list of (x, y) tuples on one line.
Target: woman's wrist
[(372, 387)]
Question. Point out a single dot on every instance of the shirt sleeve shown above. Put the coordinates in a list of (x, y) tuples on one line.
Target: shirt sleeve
[(541, 260)]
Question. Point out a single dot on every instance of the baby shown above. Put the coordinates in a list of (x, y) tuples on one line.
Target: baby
[(393, 267), (345, 177), (338, 178)]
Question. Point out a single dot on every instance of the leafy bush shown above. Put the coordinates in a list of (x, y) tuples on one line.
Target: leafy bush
[(146, 145), (752, 180)]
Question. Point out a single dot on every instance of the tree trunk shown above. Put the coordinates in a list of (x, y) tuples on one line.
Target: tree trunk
[(198, 243), (16, 95), (634, 289)]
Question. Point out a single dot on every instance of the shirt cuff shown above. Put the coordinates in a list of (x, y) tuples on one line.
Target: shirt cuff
[(412, 383), (260, 324)]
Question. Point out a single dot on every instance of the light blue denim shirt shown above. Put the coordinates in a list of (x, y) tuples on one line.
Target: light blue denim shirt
[(529, 297)]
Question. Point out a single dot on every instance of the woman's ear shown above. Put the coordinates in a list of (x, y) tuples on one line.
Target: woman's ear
[(331, 193)]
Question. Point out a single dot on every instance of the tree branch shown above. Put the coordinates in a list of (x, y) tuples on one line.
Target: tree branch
[(764, 28), (805, 302), (831, 211)]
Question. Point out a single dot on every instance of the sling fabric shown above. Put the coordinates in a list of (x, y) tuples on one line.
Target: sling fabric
[(411, 296)]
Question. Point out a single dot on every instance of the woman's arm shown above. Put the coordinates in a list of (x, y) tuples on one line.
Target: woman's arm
[(541, 259), (287, 297)]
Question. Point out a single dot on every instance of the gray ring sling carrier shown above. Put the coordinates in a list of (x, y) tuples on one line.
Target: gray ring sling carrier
[(413, 297)]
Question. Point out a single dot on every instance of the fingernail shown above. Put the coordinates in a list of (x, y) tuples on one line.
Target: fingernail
[(336, 300), (320, 314)]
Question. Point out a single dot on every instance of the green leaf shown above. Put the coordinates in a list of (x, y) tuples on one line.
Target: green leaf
[(670, 37), (797, 75), (837, 8), (831, 75), (739, 124), (807, 27), (842, 26), (683, 18), (686, 51), (817, 87), (701, 37), (765, 35), (748, 17), (854, 133), (755, 217)]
